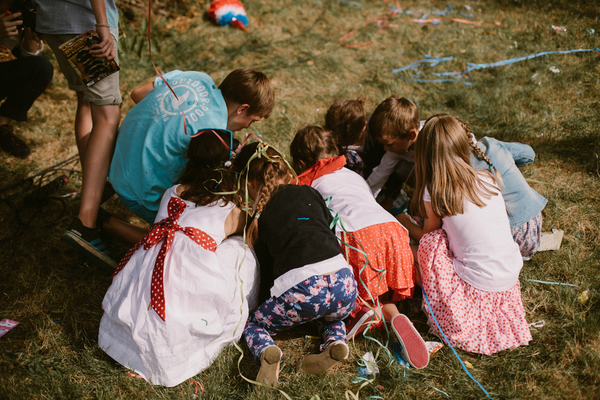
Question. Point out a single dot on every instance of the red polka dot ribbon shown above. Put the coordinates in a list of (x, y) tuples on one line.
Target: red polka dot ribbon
[(165, 228)]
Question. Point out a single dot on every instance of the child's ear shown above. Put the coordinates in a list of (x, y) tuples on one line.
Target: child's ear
[(243, 109), (412, 134)]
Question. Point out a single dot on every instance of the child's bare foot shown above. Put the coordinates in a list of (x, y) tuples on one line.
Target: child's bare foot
[(269, 366), (315, 364)]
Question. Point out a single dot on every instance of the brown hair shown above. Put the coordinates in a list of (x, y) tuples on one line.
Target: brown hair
[(394, 118), (442, 165), (311, 144), (246, 86), (266, 169), (205, 174), (346, 119)]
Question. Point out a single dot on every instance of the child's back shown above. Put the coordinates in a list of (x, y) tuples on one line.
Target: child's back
[(479, 238), (293, 232), (174, 304), (166, 352), (350, 197)]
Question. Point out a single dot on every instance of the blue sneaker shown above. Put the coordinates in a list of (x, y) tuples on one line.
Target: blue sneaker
[(88, 242)]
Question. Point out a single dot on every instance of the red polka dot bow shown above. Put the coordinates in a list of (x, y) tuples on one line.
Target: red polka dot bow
[(166, 228)]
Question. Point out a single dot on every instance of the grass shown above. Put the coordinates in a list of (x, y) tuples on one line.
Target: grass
[(56, 297)]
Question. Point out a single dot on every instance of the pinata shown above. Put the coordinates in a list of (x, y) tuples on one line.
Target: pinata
[(229, 12)]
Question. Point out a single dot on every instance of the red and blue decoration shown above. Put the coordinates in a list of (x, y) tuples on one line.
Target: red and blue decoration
[(229, 12)]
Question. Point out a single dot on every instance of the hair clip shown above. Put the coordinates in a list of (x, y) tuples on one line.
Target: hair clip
[(227, 164), (256, 215)]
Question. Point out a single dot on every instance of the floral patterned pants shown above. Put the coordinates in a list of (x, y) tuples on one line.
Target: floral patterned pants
[(528, 236), (328, 298)]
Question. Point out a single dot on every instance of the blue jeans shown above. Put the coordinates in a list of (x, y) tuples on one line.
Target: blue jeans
[(522, 202), (328, 298)]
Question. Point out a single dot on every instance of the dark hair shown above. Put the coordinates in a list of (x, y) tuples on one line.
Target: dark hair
[(394, 118), (267, 171), (346, 119), (205, 173), (246, 86), (311, 144)]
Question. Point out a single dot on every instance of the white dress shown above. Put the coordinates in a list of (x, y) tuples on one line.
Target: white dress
[(203, 306)]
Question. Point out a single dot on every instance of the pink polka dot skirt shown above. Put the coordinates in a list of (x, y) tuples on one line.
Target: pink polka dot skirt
[(473, 320)]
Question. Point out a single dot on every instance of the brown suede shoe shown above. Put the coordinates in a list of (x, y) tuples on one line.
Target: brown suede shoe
[(269, 366), (315, 364), (12, 144)]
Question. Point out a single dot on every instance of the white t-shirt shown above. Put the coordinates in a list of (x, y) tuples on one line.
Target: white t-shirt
[(485, 254), (352, 200)]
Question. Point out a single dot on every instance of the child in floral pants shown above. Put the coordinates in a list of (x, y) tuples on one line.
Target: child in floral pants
[(300, 261), (322, 297)]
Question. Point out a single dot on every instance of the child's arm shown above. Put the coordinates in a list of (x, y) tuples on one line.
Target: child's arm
[(138, 94), (431, 223), (235, 222), (105, 49), (382, 172)]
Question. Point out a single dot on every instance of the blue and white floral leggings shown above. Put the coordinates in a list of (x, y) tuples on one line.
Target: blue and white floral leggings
[(328, 298)]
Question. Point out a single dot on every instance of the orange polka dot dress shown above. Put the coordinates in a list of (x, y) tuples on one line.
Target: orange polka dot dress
[(390, 261), (365, 229), (473, 320)]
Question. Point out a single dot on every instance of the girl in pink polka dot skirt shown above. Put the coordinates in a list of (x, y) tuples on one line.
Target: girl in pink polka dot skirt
[(174, 302), (374, 243), (468, 260)]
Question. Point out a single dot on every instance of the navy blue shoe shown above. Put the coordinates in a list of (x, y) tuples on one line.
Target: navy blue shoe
[(89, 243)]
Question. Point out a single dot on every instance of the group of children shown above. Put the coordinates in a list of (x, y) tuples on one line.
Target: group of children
[(332, 242), (328, 250)]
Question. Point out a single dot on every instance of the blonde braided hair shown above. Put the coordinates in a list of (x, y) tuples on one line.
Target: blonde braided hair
[(479, 153)]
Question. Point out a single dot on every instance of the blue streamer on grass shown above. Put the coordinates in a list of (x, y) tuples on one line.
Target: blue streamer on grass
[(448, 342), (354, 3), (552, 283), (457, 76)]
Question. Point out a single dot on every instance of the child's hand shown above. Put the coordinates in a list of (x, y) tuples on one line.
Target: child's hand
[(105, 48)]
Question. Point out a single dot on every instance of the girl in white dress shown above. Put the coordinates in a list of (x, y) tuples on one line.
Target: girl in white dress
[(173, 303)]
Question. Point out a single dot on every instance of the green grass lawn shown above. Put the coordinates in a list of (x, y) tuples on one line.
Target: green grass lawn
[(550, 102)]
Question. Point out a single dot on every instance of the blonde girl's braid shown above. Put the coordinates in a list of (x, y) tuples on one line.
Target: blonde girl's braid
[(480, 154), (473, 145)]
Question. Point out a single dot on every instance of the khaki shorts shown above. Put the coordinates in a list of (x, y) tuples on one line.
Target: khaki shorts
[(101, 93)]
